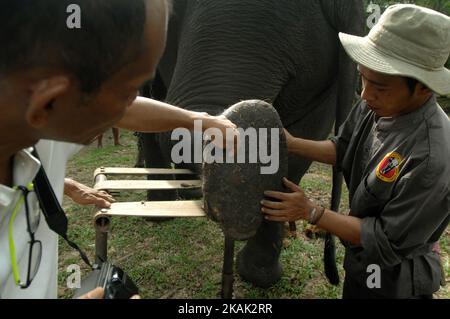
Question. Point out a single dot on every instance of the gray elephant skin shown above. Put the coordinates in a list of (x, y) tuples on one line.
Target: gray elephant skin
[(226, 180), (284, 52)]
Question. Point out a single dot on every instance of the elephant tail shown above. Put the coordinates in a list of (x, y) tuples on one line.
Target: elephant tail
[(330, 260), (329, 255), (347, 82)]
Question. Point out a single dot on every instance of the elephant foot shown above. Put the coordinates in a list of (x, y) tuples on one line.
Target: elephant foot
[(258, 262), (263, 276)]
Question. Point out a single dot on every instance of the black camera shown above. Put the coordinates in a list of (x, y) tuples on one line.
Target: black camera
[(117, 284)]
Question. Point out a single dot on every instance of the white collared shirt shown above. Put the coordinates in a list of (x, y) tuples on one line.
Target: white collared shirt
[(54, 156)]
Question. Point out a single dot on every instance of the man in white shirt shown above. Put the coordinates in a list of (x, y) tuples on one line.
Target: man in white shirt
[(25, 166), (68, 84)]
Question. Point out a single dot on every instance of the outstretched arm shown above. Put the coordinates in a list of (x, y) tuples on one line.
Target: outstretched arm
[(320, 151), (148, 115)]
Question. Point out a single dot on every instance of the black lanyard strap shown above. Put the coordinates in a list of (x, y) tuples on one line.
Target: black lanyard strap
[(54, 214)]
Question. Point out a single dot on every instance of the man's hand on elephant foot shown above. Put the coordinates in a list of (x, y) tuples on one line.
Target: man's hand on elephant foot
[(229, 135)]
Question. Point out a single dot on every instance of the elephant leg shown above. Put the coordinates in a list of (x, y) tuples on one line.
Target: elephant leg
[(258, 262), (140, 160), (154, 158), (154, 153), (191, 193), (165, 143)]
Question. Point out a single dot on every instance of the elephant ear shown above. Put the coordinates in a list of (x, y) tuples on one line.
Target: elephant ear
[(232, 192)]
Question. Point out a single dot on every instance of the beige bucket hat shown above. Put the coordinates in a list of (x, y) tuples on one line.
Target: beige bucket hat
[(408, 40)]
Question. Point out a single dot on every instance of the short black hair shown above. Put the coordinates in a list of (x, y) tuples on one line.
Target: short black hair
[(34, 33)]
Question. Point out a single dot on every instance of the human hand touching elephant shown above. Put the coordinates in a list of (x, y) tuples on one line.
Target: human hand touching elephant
[(290, 206), (229, 134)]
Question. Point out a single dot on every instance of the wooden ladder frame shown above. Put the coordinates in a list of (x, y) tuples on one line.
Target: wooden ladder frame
[(182, 208)]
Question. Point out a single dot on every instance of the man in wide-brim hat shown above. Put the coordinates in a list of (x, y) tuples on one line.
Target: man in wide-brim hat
[(394, 151)]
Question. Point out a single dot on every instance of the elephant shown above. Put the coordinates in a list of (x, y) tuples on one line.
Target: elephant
[(284, 52)]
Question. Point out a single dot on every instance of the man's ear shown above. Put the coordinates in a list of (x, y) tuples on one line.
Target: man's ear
[(423, 90), (43, 93)]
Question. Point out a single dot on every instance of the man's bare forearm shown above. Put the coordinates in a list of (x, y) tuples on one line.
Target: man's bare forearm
[(345, 227), (320, 151), (69, 186), (148, 115)]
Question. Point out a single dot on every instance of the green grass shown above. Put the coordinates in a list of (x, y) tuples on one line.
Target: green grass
[(182, 258)]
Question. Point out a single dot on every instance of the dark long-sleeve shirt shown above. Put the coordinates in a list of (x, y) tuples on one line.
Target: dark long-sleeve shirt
[(398, 174)]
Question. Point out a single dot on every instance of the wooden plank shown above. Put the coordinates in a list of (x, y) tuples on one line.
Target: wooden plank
[(182, 208), (147, 185), (139, 171)]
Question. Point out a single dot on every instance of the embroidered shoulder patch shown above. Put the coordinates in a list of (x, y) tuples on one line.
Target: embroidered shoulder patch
[(388, 169)]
